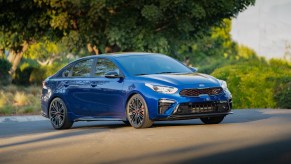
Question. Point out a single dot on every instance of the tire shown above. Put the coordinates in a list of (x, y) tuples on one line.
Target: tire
[(212, 120), (58, 114), (137, 112)]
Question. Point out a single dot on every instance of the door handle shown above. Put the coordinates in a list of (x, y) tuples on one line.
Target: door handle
[(93, 84), (66, 84)]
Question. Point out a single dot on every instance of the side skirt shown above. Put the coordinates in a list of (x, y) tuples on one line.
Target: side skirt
[(97, 119)]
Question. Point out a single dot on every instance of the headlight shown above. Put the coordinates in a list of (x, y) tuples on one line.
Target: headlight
[(162, 89), (223, 84)]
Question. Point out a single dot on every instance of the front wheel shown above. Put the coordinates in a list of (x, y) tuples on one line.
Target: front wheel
[(212, 120), (58, 114), (137, 112)]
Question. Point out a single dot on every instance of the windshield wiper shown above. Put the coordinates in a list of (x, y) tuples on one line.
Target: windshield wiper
[(165, 72), (139, 74)]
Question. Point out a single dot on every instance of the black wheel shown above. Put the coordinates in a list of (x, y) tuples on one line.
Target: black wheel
[(212, 120), (58, 114), (137, 112)]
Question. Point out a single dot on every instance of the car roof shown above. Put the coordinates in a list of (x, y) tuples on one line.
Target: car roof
[(121, 54)]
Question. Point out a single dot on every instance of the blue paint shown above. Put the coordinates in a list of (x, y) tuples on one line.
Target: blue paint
[(104, 97)]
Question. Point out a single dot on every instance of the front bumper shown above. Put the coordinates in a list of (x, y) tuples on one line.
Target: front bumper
[(173, 107), (192, 110)]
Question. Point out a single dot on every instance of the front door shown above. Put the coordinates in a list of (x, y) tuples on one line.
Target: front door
[(108, 92)]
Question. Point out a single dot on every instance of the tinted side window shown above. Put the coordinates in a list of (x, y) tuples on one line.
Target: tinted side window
[(105, 66), (82, 68), (67, 72)]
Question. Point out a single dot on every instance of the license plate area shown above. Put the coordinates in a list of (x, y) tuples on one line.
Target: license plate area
[(204, 107)]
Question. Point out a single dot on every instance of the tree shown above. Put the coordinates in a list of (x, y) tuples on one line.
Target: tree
[(46, 52), (126, 25), (211, 51), (110, 26), (21, 23)]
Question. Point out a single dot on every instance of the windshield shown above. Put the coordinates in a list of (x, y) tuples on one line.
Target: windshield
[(151, 64)]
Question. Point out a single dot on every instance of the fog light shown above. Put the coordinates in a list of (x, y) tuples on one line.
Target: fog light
[(164, 105)]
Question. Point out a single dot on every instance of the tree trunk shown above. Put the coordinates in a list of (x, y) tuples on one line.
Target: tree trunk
[(2, 55), (15, 57), (93, 50)]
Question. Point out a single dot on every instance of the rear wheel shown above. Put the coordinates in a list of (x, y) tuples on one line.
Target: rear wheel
[(212, 120), (58, 114), (137, 112)]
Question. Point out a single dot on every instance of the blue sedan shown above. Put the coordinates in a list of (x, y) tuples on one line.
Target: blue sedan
[(136, 88)]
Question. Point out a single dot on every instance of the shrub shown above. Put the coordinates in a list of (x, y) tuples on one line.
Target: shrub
[(282, 95), (23, 72), (19, 100), (257, 84), (4, 71)]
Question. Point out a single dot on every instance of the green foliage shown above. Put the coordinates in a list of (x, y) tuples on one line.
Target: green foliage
[(257, 84), (282, 95), (4, 74), (213, 51), (30, 72), (22, 21), (119, 25), (43, 50), (22, 73)]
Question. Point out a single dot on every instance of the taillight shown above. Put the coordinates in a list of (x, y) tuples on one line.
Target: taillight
[(44, 85)]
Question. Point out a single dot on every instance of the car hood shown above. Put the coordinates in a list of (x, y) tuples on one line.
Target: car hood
[(196, 79)]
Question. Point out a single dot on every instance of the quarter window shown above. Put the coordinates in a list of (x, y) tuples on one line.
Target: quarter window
[(105, 66), (82, 68), (67, 72)]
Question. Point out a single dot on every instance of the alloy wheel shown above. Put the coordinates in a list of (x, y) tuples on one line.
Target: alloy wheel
[(57, 113), (136, 111)]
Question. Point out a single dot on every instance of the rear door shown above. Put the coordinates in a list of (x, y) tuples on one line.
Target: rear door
[(78, 87)]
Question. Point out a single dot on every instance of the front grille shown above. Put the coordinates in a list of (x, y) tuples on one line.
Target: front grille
[(197, 92), (204, 107)]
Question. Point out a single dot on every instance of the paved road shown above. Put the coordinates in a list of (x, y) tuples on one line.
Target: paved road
[(248, 136)]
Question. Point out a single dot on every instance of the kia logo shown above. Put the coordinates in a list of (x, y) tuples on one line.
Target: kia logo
[(201, 85)]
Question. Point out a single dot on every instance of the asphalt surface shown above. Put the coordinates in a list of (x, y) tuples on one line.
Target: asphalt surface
[(247, 136)]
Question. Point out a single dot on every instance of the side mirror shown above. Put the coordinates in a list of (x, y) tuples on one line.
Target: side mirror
[(193, 69), (112, 74)]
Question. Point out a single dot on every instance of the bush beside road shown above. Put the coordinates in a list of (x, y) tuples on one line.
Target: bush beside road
[(19, 100)]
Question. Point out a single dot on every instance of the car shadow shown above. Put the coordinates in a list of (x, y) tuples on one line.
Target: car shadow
[(277, 151), (44, 128), (38, 127), (274, 152), (14, 129)]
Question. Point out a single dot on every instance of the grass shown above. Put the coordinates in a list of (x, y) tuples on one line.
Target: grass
[(19, 100)]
